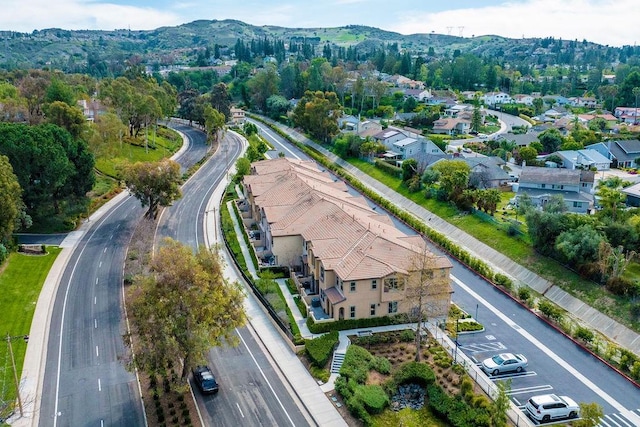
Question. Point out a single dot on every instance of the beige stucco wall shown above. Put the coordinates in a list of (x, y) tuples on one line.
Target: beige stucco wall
[(288, 249)]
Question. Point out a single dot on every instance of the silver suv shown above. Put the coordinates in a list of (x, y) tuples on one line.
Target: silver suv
[(549, 407)]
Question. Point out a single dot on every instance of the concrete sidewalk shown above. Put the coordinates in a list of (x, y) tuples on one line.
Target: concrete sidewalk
[(312, 398), (615, 331)]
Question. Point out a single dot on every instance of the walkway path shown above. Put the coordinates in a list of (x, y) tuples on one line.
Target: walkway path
[(612, 329)]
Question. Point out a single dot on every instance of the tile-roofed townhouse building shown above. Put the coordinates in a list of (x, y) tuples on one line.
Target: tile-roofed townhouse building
[(541, 184), (358, 264)]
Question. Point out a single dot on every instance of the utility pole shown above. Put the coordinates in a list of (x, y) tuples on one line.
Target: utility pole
[(15, 374)]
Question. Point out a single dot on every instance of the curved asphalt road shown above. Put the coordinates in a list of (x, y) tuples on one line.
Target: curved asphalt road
[(85, 380), (251, 391)]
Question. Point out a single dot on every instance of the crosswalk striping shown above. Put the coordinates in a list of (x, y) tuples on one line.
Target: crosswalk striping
[(617, 420)]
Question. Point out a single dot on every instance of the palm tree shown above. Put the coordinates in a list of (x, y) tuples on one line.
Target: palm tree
[(636, 92)]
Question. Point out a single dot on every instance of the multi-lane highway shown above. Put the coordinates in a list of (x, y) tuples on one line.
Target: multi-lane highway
[(251, 389), (85, 380)]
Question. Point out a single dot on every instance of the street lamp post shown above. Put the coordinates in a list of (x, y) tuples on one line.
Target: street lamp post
[(455, 355), (15, 371)]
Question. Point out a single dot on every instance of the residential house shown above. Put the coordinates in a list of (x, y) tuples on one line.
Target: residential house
[(627, 114), (633, 195), (456, 110), (388, 136), (369, 128), (521, 139), (418, 94), (451, 126), (348, 124), (584, 159), (348, 257), (523, 99), (237, 116), (541, 184), (609, 118), (485, 172), (623, 153), (494, 98), (588, 102), (91, 108)]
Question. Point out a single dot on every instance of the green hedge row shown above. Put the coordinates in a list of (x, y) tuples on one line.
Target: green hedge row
[(341, 325), (388, 168), (320, 349)]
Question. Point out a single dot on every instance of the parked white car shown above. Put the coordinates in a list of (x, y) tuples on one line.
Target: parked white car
[(549, 407), (504, 362)]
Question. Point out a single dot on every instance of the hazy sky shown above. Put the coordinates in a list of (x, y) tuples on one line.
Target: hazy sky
[(602, 21)]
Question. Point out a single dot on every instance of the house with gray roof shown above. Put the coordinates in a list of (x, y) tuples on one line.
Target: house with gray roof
[(584, 159), (541, 184), (521, 139), (622, 153), (633, 195)]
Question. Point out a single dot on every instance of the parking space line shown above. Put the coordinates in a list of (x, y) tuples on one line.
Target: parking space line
[(563, 363), (533, 389)]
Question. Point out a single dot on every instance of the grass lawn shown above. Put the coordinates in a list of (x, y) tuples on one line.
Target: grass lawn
[(21, 279), (518, 248), (159, 147), (408, 418)]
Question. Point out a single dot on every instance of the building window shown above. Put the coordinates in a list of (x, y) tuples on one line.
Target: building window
[(374, 284), (543, 185), (393, 284), (352, 287), (352, 311), (393, 307), (322, 273), (577, 204), (372, 309)]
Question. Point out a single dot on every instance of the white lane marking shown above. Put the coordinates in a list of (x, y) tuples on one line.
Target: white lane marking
[(64, 310), (104, 251), (573, 371), (95, 323), (97, 352), (100, 265), (238, 405), (99, 385), (265, 378), (274, 138), (96, 280)]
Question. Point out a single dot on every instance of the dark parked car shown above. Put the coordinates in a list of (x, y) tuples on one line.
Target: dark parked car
[(205, 380)]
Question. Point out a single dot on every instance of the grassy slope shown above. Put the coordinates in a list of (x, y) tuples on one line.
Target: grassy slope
[(518, 249)]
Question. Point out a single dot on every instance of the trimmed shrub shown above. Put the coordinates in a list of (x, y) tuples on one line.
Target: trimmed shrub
[(414, 372), (549, 310), (320, 349), (388, 168), (524, 293), (502, 280), (373, 398), (584, 334), (340, 325)]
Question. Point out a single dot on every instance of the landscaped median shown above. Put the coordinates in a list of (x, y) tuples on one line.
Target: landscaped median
[(21, 279)]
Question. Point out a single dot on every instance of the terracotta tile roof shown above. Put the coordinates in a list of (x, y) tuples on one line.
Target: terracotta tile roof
[(345, 233)]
